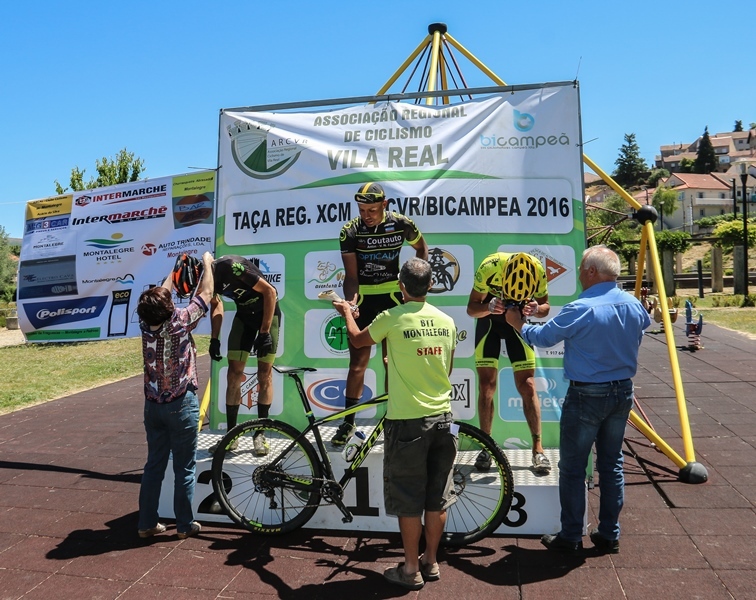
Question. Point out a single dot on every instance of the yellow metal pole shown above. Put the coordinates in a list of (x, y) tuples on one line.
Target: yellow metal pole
[(653, 437), (471, 57), (641, 263), (671, 348), (404, 66), (204, 406), (612, 184), (433, 70)]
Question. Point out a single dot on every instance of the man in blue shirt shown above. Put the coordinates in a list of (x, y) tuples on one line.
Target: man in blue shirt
[(602, 331)]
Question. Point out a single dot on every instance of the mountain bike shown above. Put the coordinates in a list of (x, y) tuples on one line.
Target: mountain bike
[(279, 492)]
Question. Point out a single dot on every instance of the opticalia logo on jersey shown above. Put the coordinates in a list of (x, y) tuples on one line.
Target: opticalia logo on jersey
[(48, 314)]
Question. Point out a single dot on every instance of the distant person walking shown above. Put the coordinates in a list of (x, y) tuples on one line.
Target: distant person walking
[(602, 331)]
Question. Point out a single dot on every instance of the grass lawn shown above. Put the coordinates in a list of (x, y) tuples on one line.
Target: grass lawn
[(34, 373)]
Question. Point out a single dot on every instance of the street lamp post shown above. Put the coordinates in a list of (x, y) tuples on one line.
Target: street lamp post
[(734, 198), (743, 180)]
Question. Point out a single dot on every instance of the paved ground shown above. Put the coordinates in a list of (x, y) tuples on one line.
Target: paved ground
[(70, 471)]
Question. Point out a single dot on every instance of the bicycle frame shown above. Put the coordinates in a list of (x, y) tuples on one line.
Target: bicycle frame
[(314, 427)]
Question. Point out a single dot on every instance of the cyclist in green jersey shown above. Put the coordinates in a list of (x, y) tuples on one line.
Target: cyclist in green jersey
[(504, 278)]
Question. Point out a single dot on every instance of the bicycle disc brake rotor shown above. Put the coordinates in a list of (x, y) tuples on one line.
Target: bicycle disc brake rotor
[(460, 482)]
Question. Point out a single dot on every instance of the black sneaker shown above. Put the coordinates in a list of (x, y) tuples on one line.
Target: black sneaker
[(343, 433), (602, 545), (558, 543), (483, 461)]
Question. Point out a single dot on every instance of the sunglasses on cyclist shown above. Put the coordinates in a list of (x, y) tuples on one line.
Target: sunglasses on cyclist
[(369, 198)]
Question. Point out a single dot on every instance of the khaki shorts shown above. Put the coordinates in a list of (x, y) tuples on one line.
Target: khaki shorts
[(418, 459)]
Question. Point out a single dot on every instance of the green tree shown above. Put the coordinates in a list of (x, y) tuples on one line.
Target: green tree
[(631, 168), (738, 126), (664, 201), (687, 165), (655, 176), (752, 126), (706, 159), (730, 234), (7, 268), (676, 241), (123, 168)]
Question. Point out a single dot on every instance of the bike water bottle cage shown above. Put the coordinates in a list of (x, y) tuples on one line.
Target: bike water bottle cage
[(370, 193), (520, 277)]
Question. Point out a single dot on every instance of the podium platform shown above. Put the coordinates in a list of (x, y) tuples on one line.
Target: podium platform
[(535, 507)]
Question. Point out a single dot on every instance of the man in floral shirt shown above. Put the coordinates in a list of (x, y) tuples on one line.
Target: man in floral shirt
[(171, 408)]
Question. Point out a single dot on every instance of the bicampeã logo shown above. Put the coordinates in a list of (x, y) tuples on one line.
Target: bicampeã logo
[(259, 151)]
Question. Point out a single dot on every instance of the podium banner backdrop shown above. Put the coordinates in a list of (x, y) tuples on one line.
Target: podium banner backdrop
[(87, 256), (501, 173)]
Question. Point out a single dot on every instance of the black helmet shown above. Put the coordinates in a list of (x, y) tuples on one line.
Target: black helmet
[(186, 275), (370, 193), (520, 277)]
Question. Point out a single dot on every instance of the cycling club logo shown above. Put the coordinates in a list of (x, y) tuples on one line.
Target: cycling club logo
[(445, 270), (554, 268), (328, 276), (522, 121), (250, 390), (261, 153), (333, 333), (328, 394)]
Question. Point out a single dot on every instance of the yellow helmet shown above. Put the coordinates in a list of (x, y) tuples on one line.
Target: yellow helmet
[(520, 277)]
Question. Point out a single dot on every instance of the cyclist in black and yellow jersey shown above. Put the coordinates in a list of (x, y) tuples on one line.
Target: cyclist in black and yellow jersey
[(370, 246), (504, 279)]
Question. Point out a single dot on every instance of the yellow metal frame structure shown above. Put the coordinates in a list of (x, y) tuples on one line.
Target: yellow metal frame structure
[(690, 470)]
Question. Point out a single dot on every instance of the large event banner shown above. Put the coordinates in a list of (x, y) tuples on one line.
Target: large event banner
[(86, 256), (500, 173)]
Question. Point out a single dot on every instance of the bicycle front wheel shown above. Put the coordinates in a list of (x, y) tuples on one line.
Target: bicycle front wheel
[(483, 496), (258, 482)]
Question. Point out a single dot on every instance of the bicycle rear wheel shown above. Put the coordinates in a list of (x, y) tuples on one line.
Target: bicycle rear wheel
[(253, 489), (483, 498)]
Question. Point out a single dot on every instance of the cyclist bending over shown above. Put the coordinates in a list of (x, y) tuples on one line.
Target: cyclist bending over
[(504, 279)]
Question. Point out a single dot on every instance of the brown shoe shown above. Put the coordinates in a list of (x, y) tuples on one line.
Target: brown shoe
[(429, 572), (399, 577), (147, 533), (196, 528)]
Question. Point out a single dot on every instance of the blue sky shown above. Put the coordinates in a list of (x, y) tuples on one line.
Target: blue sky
[(83, 79)]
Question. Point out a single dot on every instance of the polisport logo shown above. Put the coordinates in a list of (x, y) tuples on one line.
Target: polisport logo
[(48, 314), (328, 394)]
